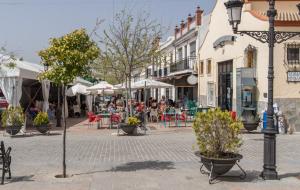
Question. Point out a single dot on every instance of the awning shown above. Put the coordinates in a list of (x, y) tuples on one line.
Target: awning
[(187, 71)]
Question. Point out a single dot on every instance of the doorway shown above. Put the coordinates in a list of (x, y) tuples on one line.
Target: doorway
[(225, 85)]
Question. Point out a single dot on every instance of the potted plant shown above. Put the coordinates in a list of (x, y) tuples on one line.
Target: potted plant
[(13, 120), (218, 138), (41, 122), (250, 121), (131, 126)]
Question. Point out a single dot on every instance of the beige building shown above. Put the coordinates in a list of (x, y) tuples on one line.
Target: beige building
[(232, 70)]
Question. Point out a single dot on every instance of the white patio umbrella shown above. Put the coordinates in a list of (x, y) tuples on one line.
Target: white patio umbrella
[(103, 85), (77, 89), (150, 83)]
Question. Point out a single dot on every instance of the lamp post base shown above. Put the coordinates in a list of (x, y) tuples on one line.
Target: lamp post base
[(269, 169), (269, 174)]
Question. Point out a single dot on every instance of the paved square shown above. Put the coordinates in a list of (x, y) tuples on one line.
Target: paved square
[(162, 159)]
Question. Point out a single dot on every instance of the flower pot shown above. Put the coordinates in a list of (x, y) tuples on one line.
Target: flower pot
[(13, 129), (250, 126), (44, 128), (129, 129), (220, 165)]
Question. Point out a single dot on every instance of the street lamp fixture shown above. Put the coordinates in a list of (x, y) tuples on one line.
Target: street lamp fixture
[(234, 11), (271, 37), (46, 66)]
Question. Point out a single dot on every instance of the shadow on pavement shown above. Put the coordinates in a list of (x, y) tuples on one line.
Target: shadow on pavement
[(296, 175), (134, 166), (35, 134), (16, 179), (146, 165), (233, 176)]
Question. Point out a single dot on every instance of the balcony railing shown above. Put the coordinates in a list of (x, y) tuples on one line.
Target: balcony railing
[(184, 64)]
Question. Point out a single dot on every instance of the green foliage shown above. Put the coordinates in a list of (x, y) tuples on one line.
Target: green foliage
[(13, 116), (41, 119), (131, 44), (68, 57), (217, 133), (133, 121)]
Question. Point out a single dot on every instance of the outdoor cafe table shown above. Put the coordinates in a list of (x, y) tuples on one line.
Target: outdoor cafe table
[(105, 115)]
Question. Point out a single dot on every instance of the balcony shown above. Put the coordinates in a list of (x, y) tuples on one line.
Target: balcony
[(184, 64)]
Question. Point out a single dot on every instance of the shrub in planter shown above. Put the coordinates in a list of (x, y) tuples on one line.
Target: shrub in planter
[(41, 122), (131, 125), (218, 138), (13, 120), (250, 121)]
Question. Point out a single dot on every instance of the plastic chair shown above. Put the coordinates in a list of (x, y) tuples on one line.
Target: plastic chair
[(92, 118), (181, 117), (115, 118), (153, 113), (192, 112)]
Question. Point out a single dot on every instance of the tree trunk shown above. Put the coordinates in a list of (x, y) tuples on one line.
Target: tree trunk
[(58, 108), (130, 97), (64, 135), (126, 89)]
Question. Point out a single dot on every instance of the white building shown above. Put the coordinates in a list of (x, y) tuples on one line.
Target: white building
[(233, 69), (178, 65)]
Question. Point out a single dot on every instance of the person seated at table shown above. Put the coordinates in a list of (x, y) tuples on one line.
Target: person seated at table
[(111, 108), (149, 102), (163, 100), (51, 112), (33, 110), (170, 102), (140, 107), (154, 104)]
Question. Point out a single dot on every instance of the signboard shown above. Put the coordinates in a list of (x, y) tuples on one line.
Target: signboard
[(293, 76), (192, 80)]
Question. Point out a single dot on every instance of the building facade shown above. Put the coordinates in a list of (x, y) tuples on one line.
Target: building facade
[(233, 69), (178, 65)]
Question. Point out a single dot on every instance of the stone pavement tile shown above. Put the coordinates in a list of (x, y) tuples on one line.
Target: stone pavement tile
[(162, 159)]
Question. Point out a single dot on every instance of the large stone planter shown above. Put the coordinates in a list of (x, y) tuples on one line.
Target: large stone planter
[(250, 126), (43, 128), (221, 165), (13, 129), (128, 129), (217, 167)]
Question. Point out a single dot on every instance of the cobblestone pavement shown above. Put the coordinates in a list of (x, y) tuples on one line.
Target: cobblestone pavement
[(162, 159)]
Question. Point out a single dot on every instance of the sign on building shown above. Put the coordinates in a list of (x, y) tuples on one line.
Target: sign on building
[(293, 76)]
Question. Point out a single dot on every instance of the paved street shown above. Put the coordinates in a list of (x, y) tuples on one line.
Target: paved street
[(162, 159)]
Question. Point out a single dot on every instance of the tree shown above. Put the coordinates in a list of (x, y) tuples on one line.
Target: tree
[(68, 57), (7, 58), (130, 44)]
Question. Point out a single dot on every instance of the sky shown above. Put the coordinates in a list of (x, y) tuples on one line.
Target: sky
[(27, 25)]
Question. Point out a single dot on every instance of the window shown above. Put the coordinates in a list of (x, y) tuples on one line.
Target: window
[(293, 54), (165, 71), (201, 68), (180, 56), (210, 94), (193, 49), (209, 67), (148, 73), (250, 56), (160, 72), (167, 93)]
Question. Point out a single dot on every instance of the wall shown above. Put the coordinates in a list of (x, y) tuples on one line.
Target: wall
[(287, 94)]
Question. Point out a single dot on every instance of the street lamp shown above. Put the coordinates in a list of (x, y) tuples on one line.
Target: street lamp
[(234, 10), (46, 66)]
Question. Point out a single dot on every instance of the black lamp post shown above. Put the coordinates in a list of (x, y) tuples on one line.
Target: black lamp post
[(234, 9)]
